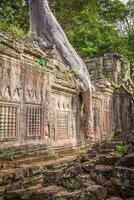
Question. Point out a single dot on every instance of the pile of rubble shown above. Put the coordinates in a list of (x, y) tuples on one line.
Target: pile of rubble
[(100, 173)]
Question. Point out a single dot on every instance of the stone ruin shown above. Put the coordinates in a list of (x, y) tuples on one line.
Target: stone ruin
[(113, 97), (41, 105), (42, 127)]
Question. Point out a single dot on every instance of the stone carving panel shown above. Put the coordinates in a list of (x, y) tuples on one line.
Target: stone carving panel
[(32, 86), (65, 112), (62, 124), (8, 122), (10, 81), (34, 121)]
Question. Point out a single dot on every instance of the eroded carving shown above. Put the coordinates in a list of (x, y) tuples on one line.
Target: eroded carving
[(10, 82)]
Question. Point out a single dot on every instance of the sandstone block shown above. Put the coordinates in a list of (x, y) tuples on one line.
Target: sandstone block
[(52, 177), (96, 192), (88, 167), (46, 193), (127, 161), (72, 171)]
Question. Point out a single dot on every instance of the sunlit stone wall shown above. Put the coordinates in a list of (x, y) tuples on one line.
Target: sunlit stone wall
[(39, 105)]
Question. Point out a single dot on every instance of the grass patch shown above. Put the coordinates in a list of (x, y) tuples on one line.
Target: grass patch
[(12, 31)]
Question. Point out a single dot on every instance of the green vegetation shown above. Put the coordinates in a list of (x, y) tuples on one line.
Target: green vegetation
[(14, 14), (42, 61), (7, 155), (93, 27), (70, 183), (119, 149)]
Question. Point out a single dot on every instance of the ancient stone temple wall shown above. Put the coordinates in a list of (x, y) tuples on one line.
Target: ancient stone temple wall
[(102, 115), (112, 103), (39, 104), (124, 113)]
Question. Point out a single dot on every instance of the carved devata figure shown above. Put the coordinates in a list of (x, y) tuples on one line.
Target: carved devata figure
[(10, 84), (45, 26)]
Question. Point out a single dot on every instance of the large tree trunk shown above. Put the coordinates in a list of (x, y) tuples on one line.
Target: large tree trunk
[(44, 25)]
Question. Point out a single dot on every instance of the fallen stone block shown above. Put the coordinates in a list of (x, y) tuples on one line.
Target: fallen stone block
[(46, 193), (95, 192), (88, 167), (100, 179), (124, 177), (126, 161), (52, 177), (107, 160), (69, 195), (84, 158), (104, 169), (72, 171), (115, 198)]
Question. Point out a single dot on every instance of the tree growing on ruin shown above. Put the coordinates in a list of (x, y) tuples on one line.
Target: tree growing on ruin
[(44, 24)]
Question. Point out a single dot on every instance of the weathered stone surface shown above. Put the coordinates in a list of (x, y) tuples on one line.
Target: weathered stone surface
[(114, 198), (85, 180), (101, 179), (88, 166), (124, 177), (127, 161), (129, 149), (14, 194), (84, 158), (72, 171), (104, 169), (95, 192), (52, 177), (72, 180), (107, 159), (41, 193), (69, 195)]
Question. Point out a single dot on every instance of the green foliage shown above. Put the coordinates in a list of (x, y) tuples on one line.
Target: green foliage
[(7, 155), (119, 149), (12, 31), (14, 13), (93, 27), (115, 86), (42, 61), (71, 183)]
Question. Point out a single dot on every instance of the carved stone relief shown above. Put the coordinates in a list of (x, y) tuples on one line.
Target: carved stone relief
[(32, 86), (10, 82), (65, 111)]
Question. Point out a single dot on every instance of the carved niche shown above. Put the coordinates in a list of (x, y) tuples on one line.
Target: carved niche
[(10, 81), (65, 112), (32, 86)]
